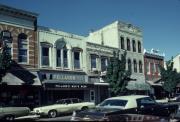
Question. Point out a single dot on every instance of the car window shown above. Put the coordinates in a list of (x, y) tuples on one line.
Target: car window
[(68, 101), (145, 101), (60, 102), (74, 100), (114, 102)]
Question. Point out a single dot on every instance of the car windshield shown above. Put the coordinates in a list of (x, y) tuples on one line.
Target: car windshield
[(114, 102)]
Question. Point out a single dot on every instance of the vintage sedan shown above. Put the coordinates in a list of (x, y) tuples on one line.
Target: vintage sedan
[(124, 106), (10, 113), (63, 106)]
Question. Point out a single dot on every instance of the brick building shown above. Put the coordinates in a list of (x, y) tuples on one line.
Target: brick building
[(18, 32)]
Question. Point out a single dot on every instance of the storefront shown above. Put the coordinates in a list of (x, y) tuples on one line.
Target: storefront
[(69, 84), (17, 91)]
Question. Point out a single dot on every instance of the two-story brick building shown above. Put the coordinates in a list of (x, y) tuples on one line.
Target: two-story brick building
[(18, 30)]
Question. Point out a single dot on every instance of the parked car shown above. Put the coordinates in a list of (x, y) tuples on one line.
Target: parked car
[(10, 113), (118, 107), (63, 106)]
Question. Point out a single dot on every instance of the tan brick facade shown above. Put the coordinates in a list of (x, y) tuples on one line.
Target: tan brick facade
[(32, 44)]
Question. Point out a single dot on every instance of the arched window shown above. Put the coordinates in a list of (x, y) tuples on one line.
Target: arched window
[(139, 47), (128, 45), (61, 53), (135, 66), (134, 45), (129, 65), (140, 66), (22, 48), (7, 39), (122, 42)]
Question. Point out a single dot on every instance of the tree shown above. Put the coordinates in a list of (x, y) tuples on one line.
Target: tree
[(5, 61), (170, 77), (117, 75)]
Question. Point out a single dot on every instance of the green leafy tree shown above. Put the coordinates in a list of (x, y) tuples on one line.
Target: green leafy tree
[(5, 61), (170, 78), (117, 75)]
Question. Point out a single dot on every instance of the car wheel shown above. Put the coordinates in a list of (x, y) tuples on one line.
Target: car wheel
[(84, 108), (172, 115), (9, 118), (52, 113)]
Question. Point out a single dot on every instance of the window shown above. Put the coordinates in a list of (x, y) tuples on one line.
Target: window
[(134, 46), (140, 67), (77, 60), (157, 68), (139, 47), (45, 56), (129, 65), (104, 63), (135, 66), (114, 102), (128, 45), (58, 55), (122, 42), (92, 95), (152, 68), (23, 47), (147, 68), (65, 58), (93, 61), (7, 39)]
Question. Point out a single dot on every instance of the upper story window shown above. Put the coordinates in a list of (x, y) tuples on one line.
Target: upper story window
[(135, 66), (157, 68), (77, 57), (139, 47), (61, 54), (104, 63), (134, 45), (140, 67), (45, 53), (122, 42), (129, 65), (152, 68), (22, 48), (93, 62), (7, 39), (147, 67), (128, 45), (45, 56)]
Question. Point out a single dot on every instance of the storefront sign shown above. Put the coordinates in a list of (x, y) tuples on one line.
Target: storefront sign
[(70, 86)]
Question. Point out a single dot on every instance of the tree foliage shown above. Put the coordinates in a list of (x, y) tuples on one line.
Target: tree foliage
[(117, 75), (170, 77), (5, 61)]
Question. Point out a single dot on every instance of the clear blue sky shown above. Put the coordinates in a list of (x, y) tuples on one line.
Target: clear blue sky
[(158, 19)]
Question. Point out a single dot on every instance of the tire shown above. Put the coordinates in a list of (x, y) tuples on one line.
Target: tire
[(52, 114), (9, 118), (84, 108)]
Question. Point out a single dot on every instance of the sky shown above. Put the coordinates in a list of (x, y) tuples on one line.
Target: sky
[(159, 20)]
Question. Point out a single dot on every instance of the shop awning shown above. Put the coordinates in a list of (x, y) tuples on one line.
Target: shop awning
[(18, 78), (137, 85)]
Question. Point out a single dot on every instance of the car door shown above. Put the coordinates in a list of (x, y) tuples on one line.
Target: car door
[(69, 105), (146, 106), (1, 111)]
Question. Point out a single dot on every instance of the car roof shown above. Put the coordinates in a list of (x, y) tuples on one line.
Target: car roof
[(128, 97)]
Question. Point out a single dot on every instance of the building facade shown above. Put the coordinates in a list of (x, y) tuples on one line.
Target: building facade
[(152, 60), (176, 61), (18, 30), (124, 37)]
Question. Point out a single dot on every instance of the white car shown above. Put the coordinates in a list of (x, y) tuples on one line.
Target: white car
[(63, 106)]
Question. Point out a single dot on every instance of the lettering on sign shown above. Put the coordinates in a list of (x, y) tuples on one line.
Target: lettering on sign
[(70, 86), (65, 77)]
